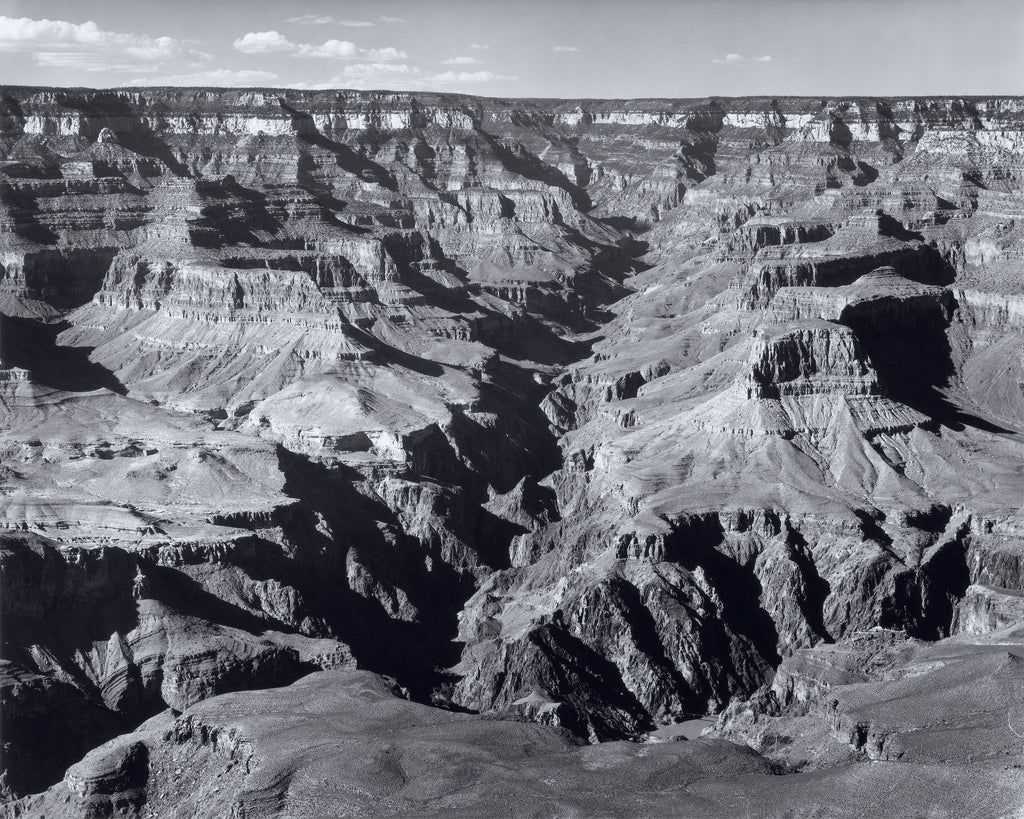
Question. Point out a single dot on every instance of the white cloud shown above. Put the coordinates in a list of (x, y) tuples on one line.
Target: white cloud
[(479, 46), (92, 62), (332, 49), (403, 77), (311, 19), (461, 61), (463, 77), (326, 20), (362, 76), (218, 77), (383, 54), (733, 58), (264, 42), (367, 74), (346, 50), (58, 43), (19, 33), (273, 42), (385, 19), (565, 48)]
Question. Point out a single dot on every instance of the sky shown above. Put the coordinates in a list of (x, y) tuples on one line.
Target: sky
[(524, 48)]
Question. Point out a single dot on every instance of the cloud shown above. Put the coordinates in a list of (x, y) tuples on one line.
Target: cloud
[(311, 19), (60, 44), (345, 50), (326, 19), (463, 77), (92, 62), (403, 77), (218, 77), (331, 50), (273, 42), (363, 76), (565, 48), (377, 75), (264, 42), (479, 46), (738, 59), (461, 61)]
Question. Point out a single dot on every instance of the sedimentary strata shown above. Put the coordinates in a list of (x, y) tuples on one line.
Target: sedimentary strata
[(594, 414)]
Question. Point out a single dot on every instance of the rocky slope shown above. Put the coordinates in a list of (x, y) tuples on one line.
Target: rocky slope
[(598, 414), (341, 743)]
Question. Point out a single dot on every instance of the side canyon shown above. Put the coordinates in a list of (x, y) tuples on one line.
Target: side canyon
[(446, 451)]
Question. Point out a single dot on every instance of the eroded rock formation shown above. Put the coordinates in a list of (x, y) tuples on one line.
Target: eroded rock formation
[(592, 414)]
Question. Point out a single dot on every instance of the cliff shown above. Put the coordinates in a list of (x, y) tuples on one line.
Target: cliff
[(592, 413)]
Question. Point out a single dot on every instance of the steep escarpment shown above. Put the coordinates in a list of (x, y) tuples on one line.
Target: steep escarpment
[(597, 414)]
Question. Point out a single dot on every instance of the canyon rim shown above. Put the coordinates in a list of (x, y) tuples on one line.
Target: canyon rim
[(496, 445)]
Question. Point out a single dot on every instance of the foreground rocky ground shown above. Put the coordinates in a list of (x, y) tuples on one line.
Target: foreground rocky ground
[(598, 415)]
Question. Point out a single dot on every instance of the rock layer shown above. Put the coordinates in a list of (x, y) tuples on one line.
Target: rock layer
[(597, 414)]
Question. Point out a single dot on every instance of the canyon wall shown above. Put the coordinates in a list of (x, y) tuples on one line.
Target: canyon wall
[(589, 413)]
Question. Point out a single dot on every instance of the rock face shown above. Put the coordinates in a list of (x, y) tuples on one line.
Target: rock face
[(882, 697), (340, 742), (595, 414)]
